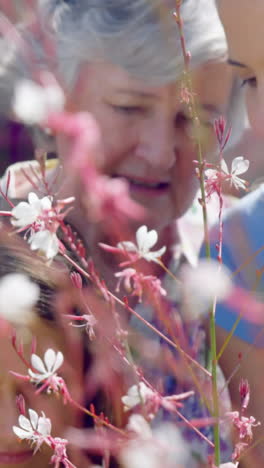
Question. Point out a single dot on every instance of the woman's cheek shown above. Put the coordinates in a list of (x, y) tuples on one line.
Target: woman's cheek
[(255, 112)]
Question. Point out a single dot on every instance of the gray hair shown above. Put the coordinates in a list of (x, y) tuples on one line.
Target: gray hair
[(139, 35)]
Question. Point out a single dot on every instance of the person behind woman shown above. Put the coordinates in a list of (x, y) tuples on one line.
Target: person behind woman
[(122, 62), (28, 292), (243, 227)]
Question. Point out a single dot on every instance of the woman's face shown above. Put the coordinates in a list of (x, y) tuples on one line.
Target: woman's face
[(148, 134), (244, 25), (14, 453)]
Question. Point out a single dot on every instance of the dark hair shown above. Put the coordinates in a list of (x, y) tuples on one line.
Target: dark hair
[(16, 257)]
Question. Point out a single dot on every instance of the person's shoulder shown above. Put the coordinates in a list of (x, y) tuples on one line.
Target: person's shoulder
[(250, 205)]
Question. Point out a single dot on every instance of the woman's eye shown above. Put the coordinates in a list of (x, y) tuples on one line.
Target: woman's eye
[(129, 110), (182, 120), (251, 82)]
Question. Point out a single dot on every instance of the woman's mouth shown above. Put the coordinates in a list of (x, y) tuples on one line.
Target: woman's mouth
[(15, 457), (138, 184)]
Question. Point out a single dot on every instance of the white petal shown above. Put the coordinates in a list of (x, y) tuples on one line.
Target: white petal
[(58, 362), (37, 377), (17, 307), (28, 102), (239, 165), (224, 167), (55, 98), (33, 198), (24, 213), (130, 401), (128, 246), (151, 240), (36, 240), (46, 203), (141, 235), (24, 423), (146, 240), (33, 418), (140, 426), (50, 358), (45, 241), (44, 426), (201, 285), (22, 434), (52, 246), (239, 183), (154, 256), (229, 465), (38, 364)]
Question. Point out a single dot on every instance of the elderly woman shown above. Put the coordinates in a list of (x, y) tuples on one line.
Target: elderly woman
[(122, 62)]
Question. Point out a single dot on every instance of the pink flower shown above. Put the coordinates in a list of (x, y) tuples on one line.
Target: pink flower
[(60, 454), (89, 322), (243, 424), (126, 276), (244, 391), (137, 283), (109, 199)]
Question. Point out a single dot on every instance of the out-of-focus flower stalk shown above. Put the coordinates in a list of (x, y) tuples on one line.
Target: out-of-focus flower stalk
[(201, 164)]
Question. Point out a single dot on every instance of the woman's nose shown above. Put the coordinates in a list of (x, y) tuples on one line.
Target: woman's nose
[(157, 144)]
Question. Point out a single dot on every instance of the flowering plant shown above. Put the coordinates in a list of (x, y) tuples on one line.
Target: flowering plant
[(144, 324)]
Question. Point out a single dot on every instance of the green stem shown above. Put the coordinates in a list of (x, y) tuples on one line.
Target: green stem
[(214, 386), (195, 117)]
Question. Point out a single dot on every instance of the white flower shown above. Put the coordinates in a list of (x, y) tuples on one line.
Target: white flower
[(48, 368), (239, 166), (145, 241), (34, 427), (46, 242), (136, 394), (165, 447), (33, 103), (201, 285), (26, 213), (18, 296), (139, 426), (229, 465)]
